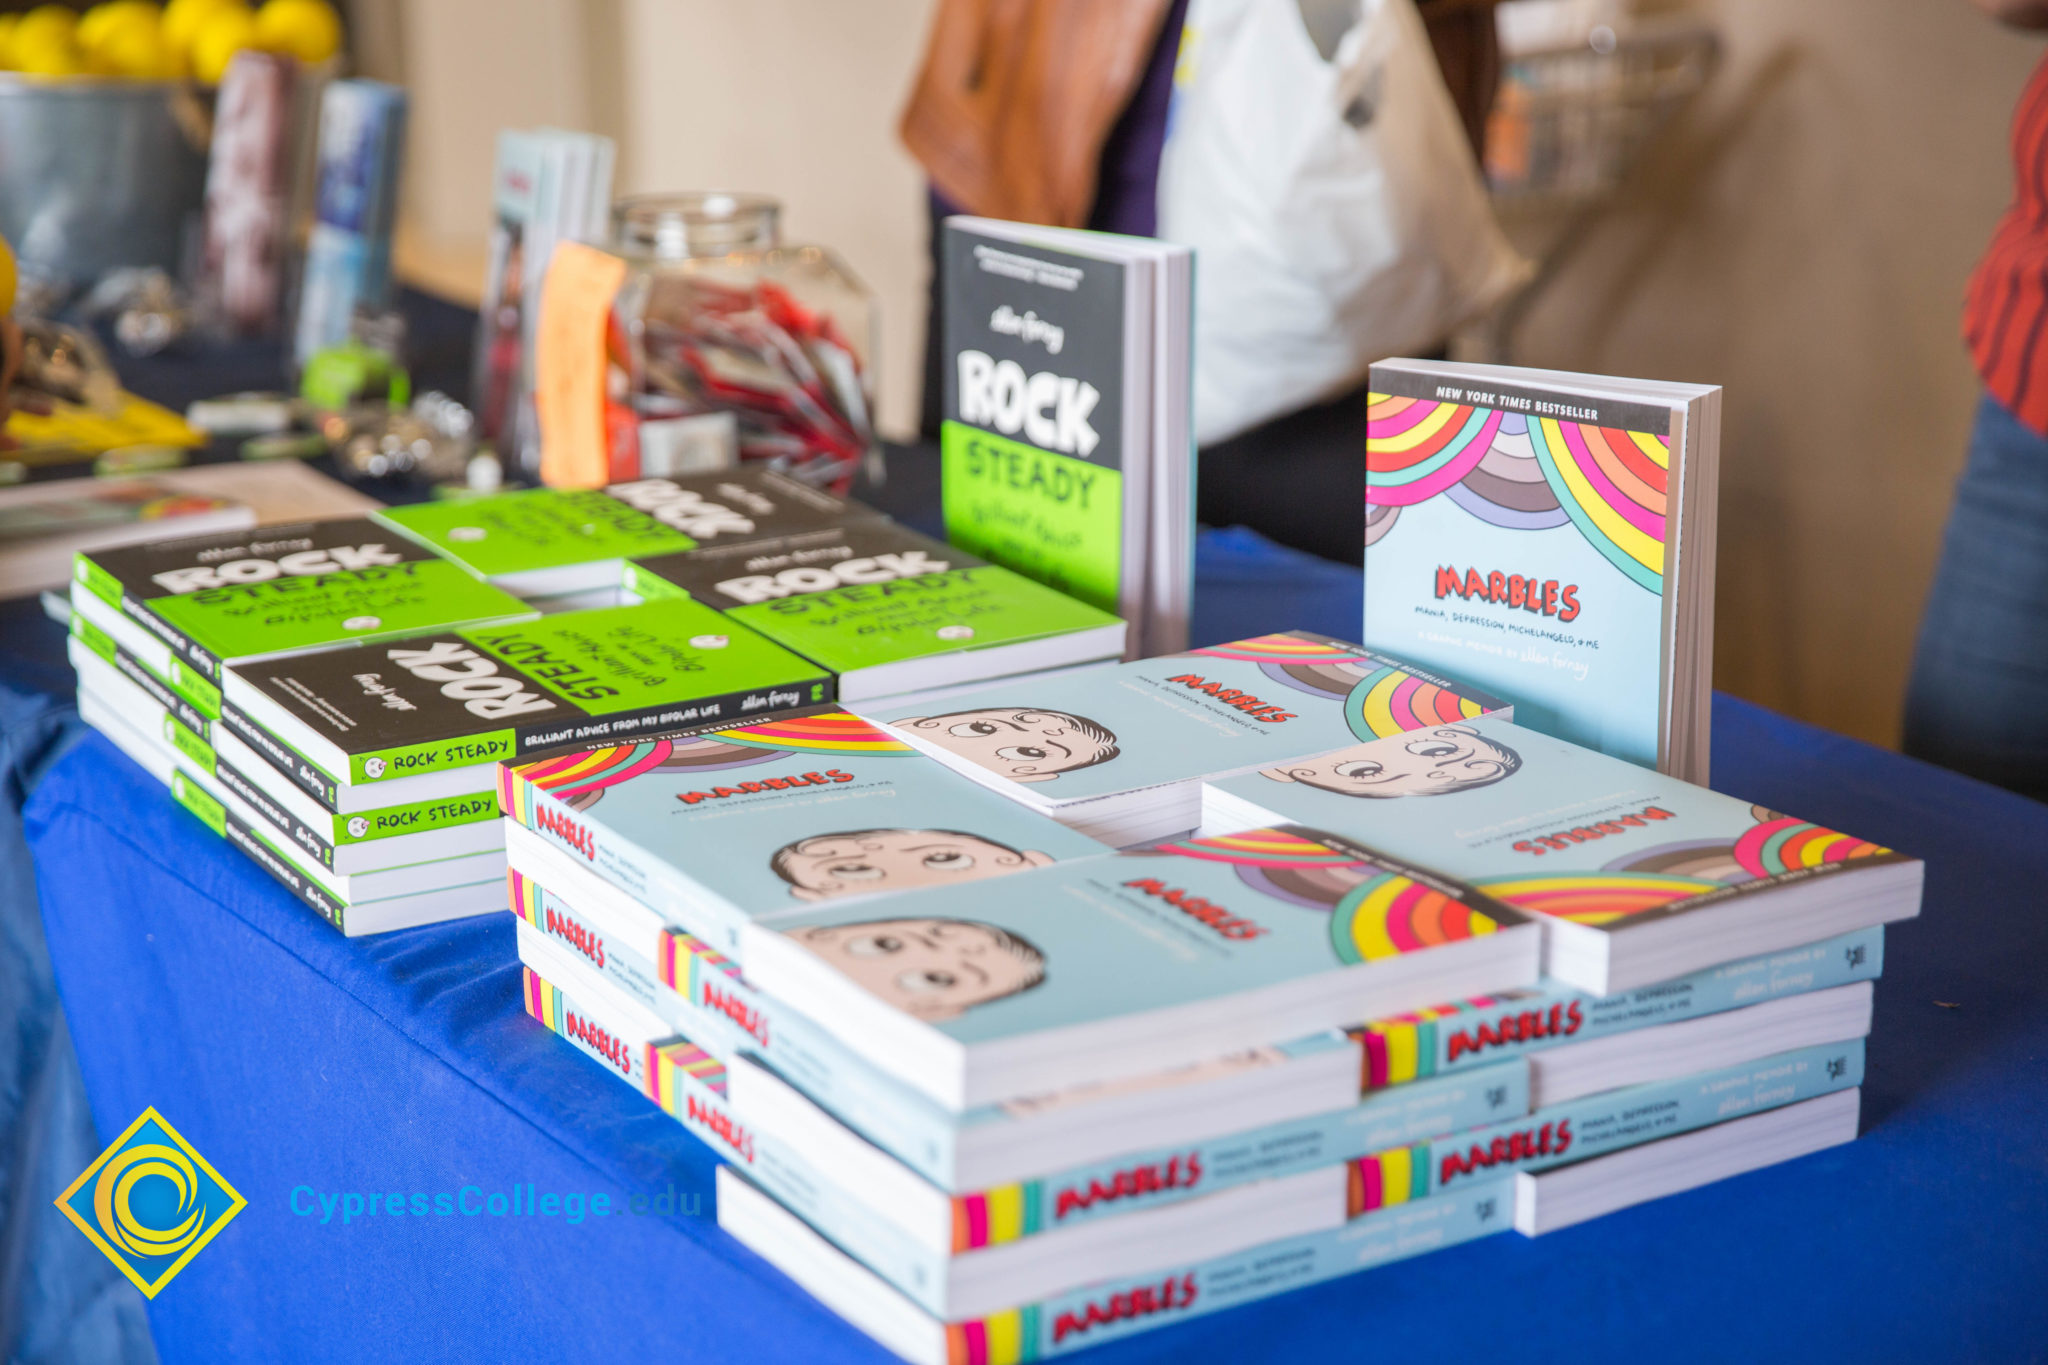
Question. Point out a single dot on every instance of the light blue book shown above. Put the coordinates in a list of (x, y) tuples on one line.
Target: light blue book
[(1110, 1309), (1118, 752), (1637, 877), (1130, 963), (1551, 537), (716, 827)]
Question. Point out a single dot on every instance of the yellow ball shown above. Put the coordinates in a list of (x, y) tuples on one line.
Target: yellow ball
[(223, 33), (44, 52), (136, 52), (182, 19), (8, 22), (102, 22), (307, 29), (6, 279)]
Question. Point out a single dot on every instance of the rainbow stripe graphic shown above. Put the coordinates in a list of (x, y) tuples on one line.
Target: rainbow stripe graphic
[(1284, 649), (1001, 1339), (1262, 848), (522, 897), (572, 775), (1402, 1047), (1002, 1213), (668, 1062), (543, 1001), (1596, 897), (831, 732), (1392, 914), (1394, 1176), (1521, 473), (1788, 845), (1391, 701), (683, 959)]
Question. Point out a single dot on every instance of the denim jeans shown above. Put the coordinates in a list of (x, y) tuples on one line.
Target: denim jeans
[(1978, 698)]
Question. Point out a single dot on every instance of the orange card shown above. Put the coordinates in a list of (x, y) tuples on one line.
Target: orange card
[(569, 365)]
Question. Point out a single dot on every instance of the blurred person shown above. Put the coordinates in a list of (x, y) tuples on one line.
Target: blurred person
[(1977, 700)]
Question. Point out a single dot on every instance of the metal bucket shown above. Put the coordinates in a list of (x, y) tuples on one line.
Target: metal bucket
[(97, 174)]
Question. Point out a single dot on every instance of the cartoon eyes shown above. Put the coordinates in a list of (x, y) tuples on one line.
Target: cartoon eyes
[(929, 981), (1432, 748), (855, 872), (1358, 768), (874, 945), (952, 860), (1021, 753), (971, 729)]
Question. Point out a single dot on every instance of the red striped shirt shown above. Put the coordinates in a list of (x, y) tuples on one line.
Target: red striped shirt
[(2005, 312)]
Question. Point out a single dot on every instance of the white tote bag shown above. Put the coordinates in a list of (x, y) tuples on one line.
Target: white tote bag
[(1335, 209)]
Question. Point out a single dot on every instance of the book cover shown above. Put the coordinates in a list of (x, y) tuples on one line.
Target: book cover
[(1518, 536), (348, 256), (1221, 709), (719, 825), (1480, 1031), (868, 594), (206, 600), (1043, 420), (487, 694), (1546, 826), (1175, 924)]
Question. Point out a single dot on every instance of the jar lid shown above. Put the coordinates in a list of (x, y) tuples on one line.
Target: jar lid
[(702, 223)]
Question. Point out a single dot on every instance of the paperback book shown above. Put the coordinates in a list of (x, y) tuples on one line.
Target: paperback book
[(455, 702), (1117, 966), (1067, 452), (886, 609), (1550, 536), (1120, 753), (44, 524), (1637, 877), (555, 543), (721, 824)]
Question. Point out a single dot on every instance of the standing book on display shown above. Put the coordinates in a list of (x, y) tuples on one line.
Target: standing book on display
[(1068, 453), (1550, 536)]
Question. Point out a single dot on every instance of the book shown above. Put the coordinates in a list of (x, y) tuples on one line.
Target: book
[(1119, 965), (1546, 1201), (1638, 877), (44, 524), (1480, 1031), (424, 893), (1066, 445), (248, 187), (886, 609), (187, 607), (718, 825), (1111, 1309), (1551, 537), (547, 542), (455, 702), (348, 255), (1120, 754)]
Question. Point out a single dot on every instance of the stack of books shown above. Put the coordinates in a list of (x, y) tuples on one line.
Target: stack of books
[(1417, 978)]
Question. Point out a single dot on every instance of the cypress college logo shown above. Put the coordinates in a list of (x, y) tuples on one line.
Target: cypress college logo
[(150, 1202)]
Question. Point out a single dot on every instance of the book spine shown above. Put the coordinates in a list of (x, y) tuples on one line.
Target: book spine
[(733, 708), (308, 840), (701, 993), (188, 714), (1482, 1030), (622, 1051), (1146, 1180), (299, 770), (1603, 1123), (225, 823), (1124, 1307)]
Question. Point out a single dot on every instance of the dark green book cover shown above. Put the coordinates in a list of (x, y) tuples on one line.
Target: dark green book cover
[(864, 595), (493, 693), (275, 589), (1032, 440)]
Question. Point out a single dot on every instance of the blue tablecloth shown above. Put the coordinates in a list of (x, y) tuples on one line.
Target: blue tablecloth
[(303, 1065)]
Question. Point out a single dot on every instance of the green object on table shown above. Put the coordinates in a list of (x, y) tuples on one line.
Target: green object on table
[(337, 376)]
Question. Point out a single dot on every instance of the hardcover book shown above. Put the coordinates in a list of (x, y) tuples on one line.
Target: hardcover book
[(186, 607), (1118, 753), (719, 825), (549, 542), (1115, 966), (458, 700), (1637, 877), (886, 609), (1551, 536)]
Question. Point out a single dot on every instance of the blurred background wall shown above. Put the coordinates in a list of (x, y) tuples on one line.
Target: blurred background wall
[(1801, 237)]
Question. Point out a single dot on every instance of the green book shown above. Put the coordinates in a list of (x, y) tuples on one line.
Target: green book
[(888, 610), (415, 716), (558, 542), (186, 608)]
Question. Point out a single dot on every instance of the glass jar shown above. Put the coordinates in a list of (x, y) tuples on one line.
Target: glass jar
[(717, 316)]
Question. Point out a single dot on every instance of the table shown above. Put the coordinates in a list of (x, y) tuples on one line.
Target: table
[(297, 1061)]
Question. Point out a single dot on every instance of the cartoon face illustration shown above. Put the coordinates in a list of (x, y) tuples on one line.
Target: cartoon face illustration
[(358, 827), (1022, 745), (862, 862), (1420, 763), (373, 767), (934, 969)]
